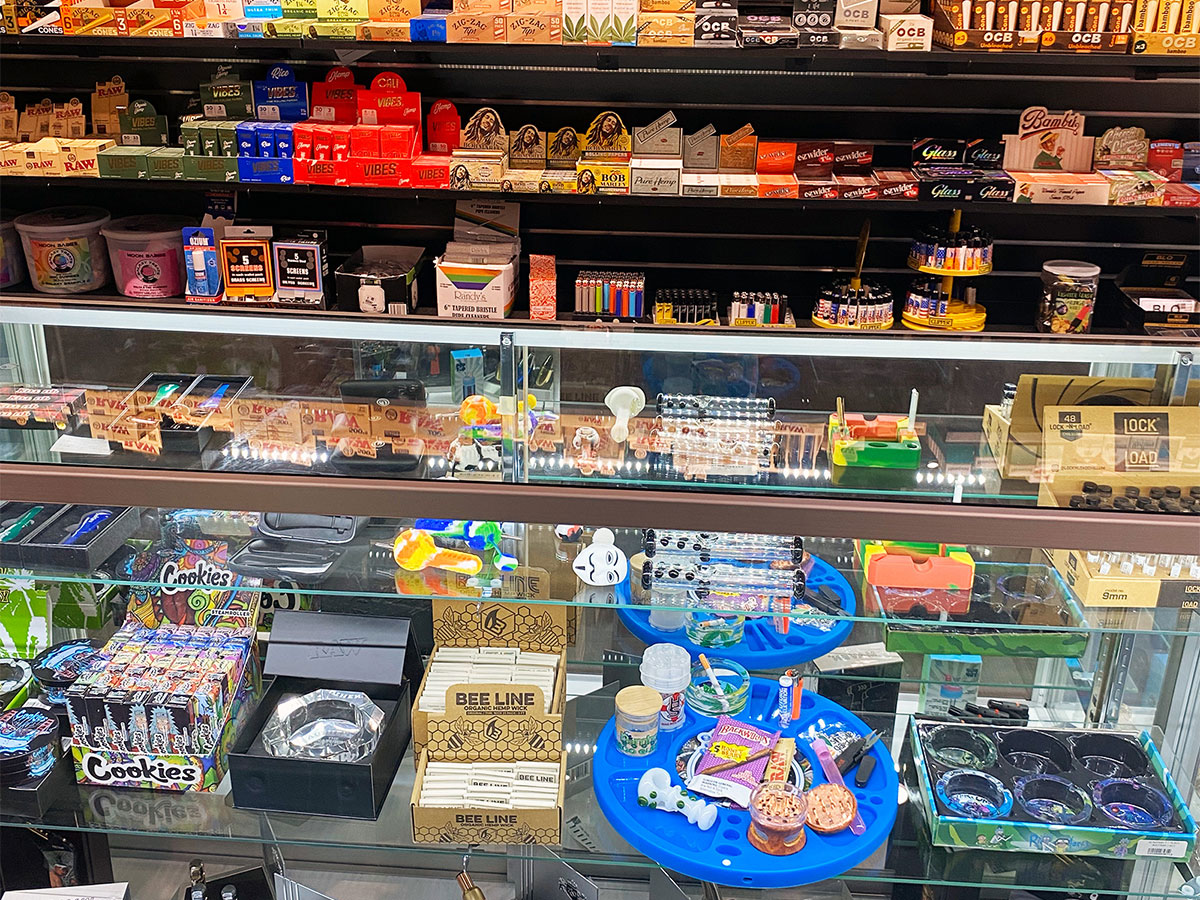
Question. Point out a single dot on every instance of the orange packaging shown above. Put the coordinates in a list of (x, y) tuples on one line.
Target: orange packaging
[(533, 28), (778, 186), (475, 28), (392, 10), (775, 157)]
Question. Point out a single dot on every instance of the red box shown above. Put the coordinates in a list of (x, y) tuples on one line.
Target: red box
[(316, 171), (1166, 158), (378, 171), (816, 190), (322, 142), (851, 157), (775, 157), (340, 142), (778, 186), (1181, 195), (364, 141), (302, 140), (814, 158), (857, 187), (398, 141), (896, 184), (429, 172)]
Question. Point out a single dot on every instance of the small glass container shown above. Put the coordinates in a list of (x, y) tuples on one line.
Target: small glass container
[(637, 720), (703, 698), (778, 811), (1049, 798), (974, 794), (1132, 804), (1068, 296), (710, 629), (957, 747)]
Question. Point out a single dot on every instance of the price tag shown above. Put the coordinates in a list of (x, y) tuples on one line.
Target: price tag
[(1161, 849)]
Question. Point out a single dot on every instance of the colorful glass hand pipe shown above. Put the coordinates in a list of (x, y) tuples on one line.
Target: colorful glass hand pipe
[(415, 549), (478, 534), (89, 523)]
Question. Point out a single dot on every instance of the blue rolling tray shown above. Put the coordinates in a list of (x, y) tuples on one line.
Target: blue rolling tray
[(763, 647), (722, 855)]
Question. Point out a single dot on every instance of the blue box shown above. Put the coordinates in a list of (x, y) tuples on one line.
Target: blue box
[(247, 139), (283, 140), (264, 133), (258, 170), (280, 97), (428, 28)]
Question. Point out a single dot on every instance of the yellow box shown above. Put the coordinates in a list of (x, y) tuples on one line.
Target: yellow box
[(393, 10), (492, 721), (557, 181), (79, 156), (339, 31), (537, 6), (479, 7), (438, 825), (601, 178), (94, 17), (475, 28), (1154, 44), (666, 29), (667, 6), (343, 10), (533, 28), (42, 157)]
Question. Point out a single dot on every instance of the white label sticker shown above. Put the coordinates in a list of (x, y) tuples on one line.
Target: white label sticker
[(324, 113), (370, 117), (1165, 849), (267, 113), (69, 443), (214, 110)]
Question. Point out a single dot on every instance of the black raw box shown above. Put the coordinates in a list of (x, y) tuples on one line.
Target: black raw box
[(308, 651)]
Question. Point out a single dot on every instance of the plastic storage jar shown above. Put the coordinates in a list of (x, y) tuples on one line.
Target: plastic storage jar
[(637, 720), (64, 249), (12, 259), (668, 669), (147, 255)]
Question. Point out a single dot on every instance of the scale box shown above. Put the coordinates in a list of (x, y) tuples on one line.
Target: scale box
[(1019, 831), (480, 722), (438, 825), (982, 629), (307, 652), (43, 547), (1123, 591)]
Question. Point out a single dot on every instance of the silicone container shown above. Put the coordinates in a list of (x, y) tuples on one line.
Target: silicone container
[(147, 255), (64, 249), (12, 258)]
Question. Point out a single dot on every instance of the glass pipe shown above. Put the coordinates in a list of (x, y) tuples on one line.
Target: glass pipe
[(415, 550), (478, 534), (655, 791)]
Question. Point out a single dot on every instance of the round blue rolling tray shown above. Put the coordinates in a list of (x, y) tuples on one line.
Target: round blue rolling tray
[(722, 855), (763, 647)]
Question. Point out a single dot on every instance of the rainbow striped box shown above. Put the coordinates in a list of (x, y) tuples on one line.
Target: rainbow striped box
[(475, 291)]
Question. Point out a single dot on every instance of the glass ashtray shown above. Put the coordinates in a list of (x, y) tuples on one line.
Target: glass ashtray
[(1110, 755), (1049, 798), (1035, 752), (961, 748), (1131, 803), (703, 698), (976, 795), (337, 726)]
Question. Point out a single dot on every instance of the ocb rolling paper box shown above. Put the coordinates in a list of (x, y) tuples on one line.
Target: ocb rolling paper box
[(661, 29)]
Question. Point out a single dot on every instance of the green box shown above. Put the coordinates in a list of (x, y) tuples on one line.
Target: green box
[(299, 9), (290, 28), (166, 164), (210, 168), (959, 635), (189, 132), (210, 140), (1018, 831), (227, 139), (125, 162)]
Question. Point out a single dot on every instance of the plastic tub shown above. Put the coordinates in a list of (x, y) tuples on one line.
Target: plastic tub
[(147, 255), (12, 259), (64, 250)]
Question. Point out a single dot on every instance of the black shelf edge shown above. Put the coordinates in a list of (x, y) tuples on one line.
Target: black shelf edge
[(436, 195), (938, 61)]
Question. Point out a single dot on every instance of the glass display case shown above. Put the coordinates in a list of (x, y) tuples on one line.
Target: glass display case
[(844, 562)]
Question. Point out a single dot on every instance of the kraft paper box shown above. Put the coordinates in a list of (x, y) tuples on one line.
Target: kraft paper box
[(659, 29), (475, 28), (438, 825), (384, 31), (1095, 439), (1115, 590), (537, 6), (497, 7), (477, 169), (393, 10), (492, 721), (738, 185), (342, 10), (533, 28), (530, 626)]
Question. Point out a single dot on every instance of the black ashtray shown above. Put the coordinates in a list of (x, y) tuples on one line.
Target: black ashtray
[(1049, 798), (1035, 752), (1110, 756), (1132, 804), (961, 748)]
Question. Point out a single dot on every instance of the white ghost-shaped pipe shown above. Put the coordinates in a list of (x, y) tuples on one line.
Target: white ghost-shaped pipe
[(625, 402)]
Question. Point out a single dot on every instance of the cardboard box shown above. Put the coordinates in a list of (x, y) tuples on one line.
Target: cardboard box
[(601, 178), (475, 28), (778, 187), (303, 655), (1061, 187), (700, 184), (906, 32), (492, 721), (855, 13), (360, 289), (506, 621), (438, 825), (649, 175), (1114, 590), (533, 28), (948, 680), (716, 28), (666, 29), (1130, 188), (766, 31), (1087, 441), (469, 291)]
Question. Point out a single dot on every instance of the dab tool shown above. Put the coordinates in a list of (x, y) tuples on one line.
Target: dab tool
[(20, 525), (214, 399)]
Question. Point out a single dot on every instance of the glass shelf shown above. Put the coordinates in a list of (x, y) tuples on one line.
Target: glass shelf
[(367, 578), (588, 841)]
